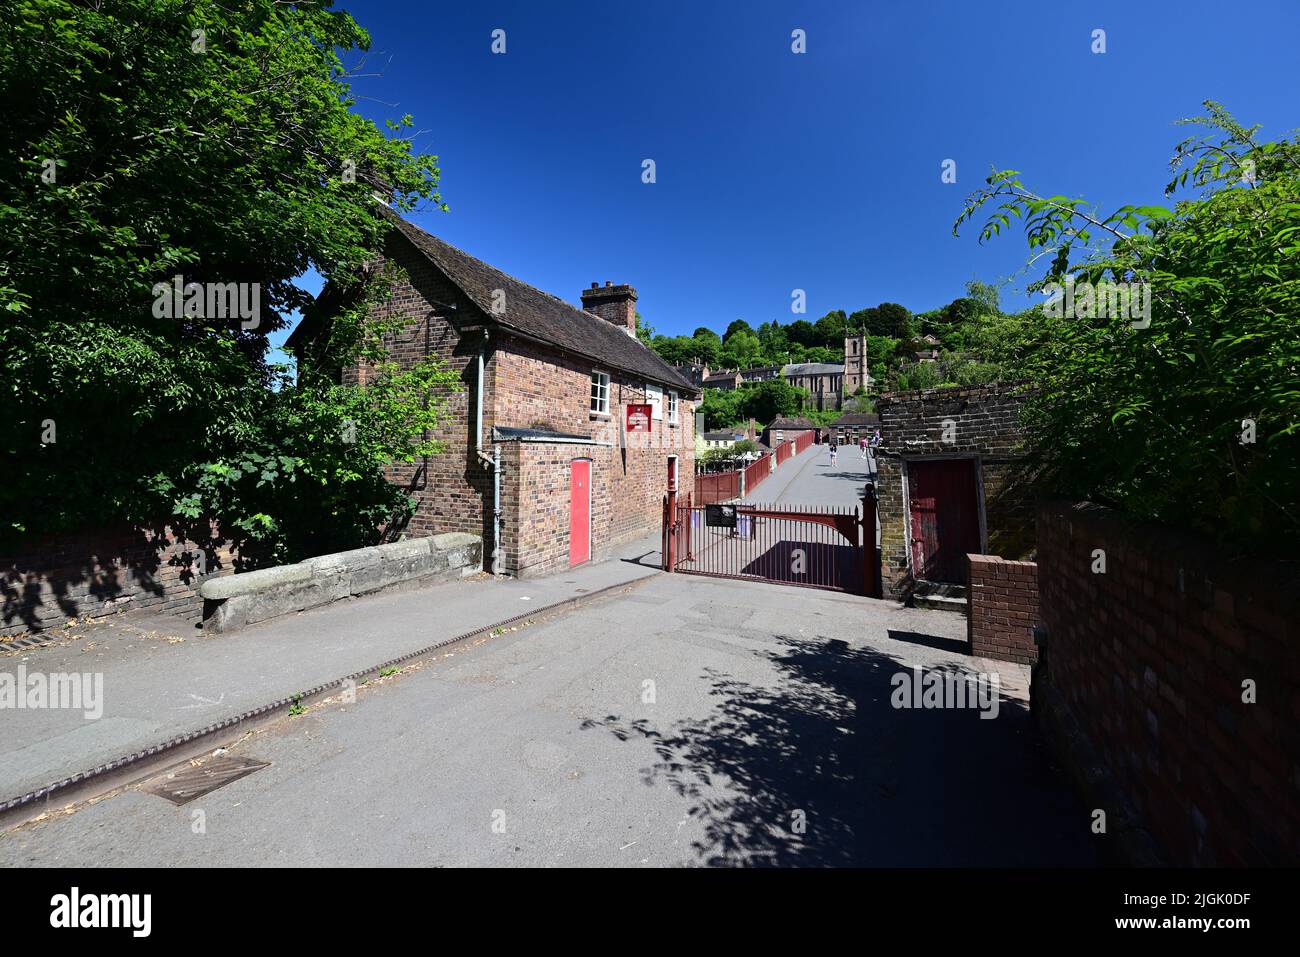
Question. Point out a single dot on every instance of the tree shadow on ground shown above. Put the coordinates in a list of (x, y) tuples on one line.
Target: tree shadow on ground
[(808, 563), (872, 785)]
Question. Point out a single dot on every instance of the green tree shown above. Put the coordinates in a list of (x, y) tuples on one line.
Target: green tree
[(1187, 412), (802, 332), (765, 401), (830, 330), (774, 342), (743, 351), (707, 345), (721, 407), (137, 151), (737, 325)]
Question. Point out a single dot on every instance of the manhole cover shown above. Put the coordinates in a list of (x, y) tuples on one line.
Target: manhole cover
[(185, 785)]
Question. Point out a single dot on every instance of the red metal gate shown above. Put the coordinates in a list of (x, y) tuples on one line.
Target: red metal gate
[(826, 547)]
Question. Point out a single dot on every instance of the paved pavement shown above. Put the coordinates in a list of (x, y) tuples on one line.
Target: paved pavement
[(162, 677), (810, 479), (691, 721)]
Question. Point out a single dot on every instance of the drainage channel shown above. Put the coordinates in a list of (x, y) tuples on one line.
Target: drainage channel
[(142, 765)]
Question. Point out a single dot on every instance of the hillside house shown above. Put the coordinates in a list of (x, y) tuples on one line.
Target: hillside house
[(787, 429)]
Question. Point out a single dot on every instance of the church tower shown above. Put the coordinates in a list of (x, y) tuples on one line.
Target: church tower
[(856, 374)]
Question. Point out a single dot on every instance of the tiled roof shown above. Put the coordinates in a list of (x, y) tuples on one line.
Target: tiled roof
[(787, 423), (849, 419), (539, 315), (811, 368)]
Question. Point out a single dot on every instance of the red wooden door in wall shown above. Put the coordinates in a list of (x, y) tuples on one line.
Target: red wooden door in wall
[(579, 511), (945, 518)]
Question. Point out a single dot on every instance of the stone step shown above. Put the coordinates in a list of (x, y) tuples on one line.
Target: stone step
[(939, 602)]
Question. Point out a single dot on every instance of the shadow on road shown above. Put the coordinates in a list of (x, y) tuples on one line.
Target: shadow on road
[(953, 645), (851, 476), (875, 785)]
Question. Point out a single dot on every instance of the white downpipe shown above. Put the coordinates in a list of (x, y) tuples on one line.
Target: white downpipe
[(494, 461)]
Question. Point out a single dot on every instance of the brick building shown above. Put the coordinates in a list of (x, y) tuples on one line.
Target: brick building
[(946, 470), (534, 443), (759, 374), (851, 427), (726, 380), (823, 380), (787, 429)]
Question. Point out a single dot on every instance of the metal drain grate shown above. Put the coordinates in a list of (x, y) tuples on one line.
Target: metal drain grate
[(191, 782)]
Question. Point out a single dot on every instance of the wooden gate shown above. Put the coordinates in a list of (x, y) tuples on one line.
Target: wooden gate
[(828, 547), (945, 518)]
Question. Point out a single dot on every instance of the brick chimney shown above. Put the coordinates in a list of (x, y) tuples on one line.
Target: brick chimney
[(616, 304)]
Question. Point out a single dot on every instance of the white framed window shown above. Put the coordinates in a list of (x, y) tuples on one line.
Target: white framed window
[(600, 392), (654, 396), (672, 407)]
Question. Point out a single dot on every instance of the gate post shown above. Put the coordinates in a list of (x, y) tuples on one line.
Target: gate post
[(670, 530), (663, 544), (870, 564)]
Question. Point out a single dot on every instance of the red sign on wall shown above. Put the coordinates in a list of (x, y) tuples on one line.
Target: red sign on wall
[(638, 417)]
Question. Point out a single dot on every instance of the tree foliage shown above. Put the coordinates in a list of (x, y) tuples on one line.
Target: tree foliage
[(762, 402), (147, 140), (1194, 419)]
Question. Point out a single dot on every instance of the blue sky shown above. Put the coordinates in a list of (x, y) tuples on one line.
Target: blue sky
[(818, 171)]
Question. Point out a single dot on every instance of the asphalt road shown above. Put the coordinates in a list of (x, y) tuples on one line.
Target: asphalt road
[(810, 479), (692, 722)]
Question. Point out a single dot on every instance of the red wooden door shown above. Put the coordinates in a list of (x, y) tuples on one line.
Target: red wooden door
[(579, 511), (945, 518)]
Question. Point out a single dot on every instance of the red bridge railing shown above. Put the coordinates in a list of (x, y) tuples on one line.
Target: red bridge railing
[(756, 472), (716, 487)]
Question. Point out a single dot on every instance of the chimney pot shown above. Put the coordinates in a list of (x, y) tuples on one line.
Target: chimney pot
[(614, 304)]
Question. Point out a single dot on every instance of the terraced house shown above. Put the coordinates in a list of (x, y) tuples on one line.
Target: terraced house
[(537, 457)]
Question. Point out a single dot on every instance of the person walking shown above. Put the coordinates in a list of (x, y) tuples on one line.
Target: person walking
[(834, 449), (862, 446)]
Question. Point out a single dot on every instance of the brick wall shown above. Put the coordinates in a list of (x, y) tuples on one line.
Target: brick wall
[(544, 388), (1142, 682), (526, 385), (987, 430), (92, 574), (452, 490), (1002, 608)]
